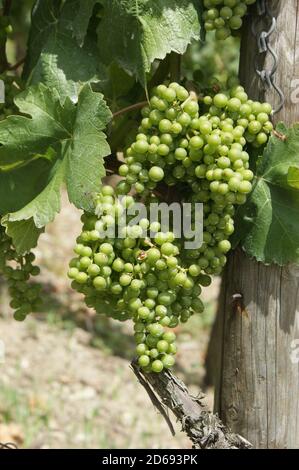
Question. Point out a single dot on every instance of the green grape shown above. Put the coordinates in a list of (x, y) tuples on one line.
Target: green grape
[(125, 280), (99, 283), (168, 361), (157, 366), (156, 174), (170, 337), (162, 346), (144, 361), (141, 350)]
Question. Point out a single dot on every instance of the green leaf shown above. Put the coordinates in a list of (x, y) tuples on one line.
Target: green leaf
[(43, 208), (44, 19), (136, 32), (81, 20), (20, 186), (54, 55), (85, 162), (293, 177), (118, 86), (24, 234), (75, 132), (267, 226), (22, 138)]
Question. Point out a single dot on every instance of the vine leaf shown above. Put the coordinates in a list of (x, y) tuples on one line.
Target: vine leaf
[(18, 187), (267, 226), (81, 20), (118, 87), (146, 30), (44, 19), (71, 148), (24, 138), (293, 177), (24, 234), (60, 53)]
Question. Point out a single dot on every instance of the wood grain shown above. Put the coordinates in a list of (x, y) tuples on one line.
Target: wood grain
[(257, 382)]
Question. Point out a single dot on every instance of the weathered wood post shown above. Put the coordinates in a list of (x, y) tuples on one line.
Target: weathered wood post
[(257, 382)]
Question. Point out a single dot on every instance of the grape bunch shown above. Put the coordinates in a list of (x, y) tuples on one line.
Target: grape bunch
[(144, 273), (17, 270), (199, 146), (136, 277), (225, 16)]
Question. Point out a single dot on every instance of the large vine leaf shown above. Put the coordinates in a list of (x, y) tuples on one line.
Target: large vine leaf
[(55, 56), (136, 32), (69, 140), (268, 224)]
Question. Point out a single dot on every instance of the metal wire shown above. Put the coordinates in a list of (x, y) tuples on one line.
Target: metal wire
[(264, 18), (9, 445)]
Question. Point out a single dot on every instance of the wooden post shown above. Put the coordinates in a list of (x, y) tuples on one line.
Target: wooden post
[(257, 382)]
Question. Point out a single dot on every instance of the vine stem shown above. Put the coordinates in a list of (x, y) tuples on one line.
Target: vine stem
[(279, 135), (129, 108), (17, 64), (205, 429)]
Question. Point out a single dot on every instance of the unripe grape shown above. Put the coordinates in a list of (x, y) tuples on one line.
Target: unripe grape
[(168, 361), (182, 93), (143, 361), (156, 174), (169, 336), (99, 283), (73, 273), (220, 100), (81, 278), (245, 187), (157, 366), (222, 33), (141, 349)]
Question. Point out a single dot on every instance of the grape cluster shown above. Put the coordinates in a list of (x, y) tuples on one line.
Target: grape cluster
[(136, 277), (198, 146), (225, 16), (17, 271), (201, 147)]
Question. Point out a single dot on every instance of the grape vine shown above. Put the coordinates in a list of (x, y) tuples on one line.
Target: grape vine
[(132, 110)]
